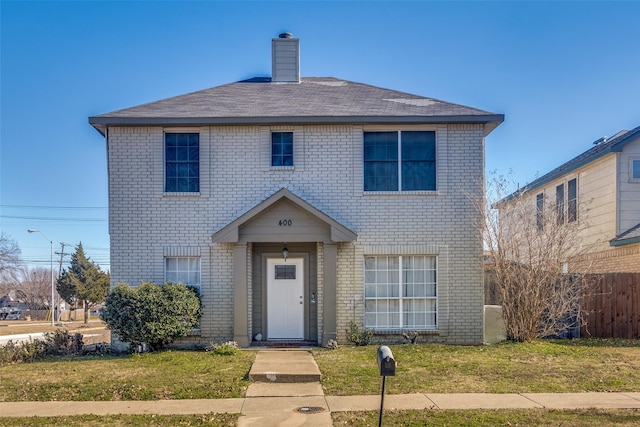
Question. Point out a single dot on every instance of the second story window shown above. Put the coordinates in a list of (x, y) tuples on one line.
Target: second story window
[(400, 161), (635, 169), (281, 149), (572, 200), (182, 162), (540, 211), (560, 203)]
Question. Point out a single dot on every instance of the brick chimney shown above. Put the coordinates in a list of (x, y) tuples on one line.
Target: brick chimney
[(285, 59)]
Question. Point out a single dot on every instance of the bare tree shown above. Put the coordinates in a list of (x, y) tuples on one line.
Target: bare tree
[(9, 255), (530, 246), (33, 287)]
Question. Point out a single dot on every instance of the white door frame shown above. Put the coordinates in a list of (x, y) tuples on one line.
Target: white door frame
[(285, 300)]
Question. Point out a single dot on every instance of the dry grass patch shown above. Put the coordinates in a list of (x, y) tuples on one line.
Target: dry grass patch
[(125, 420), (479, 418)]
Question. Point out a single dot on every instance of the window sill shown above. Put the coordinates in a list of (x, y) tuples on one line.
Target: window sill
[(281, 168), (182, 194), (402, 193), (401, 331)]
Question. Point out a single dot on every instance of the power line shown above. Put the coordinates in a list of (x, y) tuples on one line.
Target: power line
[(42, 218), (53, 207)]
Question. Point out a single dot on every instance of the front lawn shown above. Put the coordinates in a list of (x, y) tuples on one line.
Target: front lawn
[(537, 367), (542, 366), (149, 376)]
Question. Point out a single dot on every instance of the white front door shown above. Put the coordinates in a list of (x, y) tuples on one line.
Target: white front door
[(285, 298)]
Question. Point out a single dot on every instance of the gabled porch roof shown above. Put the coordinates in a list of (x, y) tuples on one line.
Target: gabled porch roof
[(284, 198)]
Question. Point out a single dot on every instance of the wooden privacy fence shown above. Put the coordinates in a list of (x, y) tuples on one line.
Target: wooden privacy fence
[(611, 306)]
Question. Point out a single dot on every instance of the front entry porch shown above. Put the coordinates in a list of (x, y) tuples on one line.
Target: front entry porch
[(278, 298)]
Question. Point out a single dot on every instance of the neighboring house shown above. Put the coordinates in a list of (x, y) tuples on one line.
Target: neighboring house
[(368, 189), (601, 189)]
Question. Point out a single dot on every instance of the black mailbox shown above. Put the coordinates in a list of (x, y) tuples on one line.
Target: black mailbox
[(386, 362)]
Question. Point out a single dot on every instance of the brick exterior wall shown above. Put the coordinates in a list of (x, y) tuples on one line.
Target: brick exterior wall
[(624, 259), (146, 224)]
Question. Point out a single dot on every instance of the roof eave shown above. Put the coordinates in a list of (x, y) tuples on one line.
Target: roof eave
[(100, 123), (623, 242)]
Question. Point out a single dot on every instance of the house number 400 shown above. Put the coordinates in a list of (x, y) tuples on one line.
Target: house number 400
[(285, 223)]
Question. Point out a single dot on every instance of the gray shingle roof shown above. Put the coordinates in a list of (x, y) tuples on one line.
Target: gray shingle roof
[(313, 100), (611, 145), (632, 235)]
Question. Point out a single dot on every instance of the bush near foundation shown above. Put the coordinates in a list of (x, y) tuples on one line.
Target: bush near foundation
[(152, 314)]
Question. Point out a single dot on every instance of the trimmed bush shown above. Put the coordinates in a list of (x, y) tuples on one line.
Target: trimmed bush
[(152, 314)]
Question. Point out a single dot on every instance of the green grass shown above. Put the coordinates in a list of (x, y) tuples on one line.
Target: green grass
[(124, 420), (149, 376), (479, 418), (541, 366)]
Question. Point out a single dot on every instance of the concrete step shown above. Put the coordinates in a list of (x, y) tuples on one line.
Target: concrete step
[(284, 366)]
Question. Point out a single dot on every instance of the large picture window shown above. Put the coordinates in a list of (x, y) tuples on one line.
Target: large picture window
[(182, 162), (400, 161), (184, 270), (401, 292)]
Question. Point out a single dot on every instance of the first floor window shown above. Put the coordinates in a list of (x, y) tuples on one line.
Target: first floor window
[(182, 162), (184, 270), (400, 292)]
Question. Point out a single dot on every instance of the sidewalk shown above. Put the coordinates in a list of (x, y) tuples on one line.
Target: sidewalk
[(278, 400)]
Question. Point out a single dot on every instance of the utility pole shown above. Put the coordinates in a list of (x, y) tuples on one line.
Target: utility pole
[(62, 254)]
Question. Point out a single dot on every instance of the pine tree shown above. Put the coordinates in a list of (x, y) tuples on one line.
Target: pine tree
[(84, 282)]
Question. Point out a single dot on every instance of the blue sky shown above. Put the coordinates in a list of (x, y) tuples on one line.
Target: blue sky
[(563, 73)]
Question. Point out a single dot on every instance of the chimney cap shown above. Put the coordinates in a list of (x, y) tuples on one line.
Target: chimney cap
[(285, 35)]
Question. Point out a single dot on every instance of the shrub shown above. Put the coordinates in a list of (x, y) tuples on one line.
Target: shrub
[(228, 348), (26, 351), (58, 343), (152, 314), (358, 337), (63, 343)]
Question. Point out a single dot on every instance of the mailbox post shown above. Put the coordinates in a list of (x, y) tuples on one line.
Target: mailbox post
[(387, 365)]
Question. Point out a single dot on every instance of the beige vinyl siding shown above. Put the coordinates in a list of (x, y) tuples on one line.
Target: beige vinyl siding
[(596, 201), (628, 190), (597, 198)]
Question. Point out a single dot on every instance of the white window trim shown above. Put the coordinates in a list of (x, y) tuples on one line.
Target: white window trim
[(553, 189), (400, 298), (298, 148), (631, 178), (199, 285), (166, 193)]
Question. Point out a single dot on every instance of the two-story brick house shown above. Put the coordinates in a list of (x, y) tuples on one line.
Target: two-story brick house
[(297, 205), (599, 188)]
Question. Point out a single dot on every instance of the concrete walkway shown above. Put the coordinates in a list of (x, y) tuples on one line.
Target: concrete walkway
[(275, 399)]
